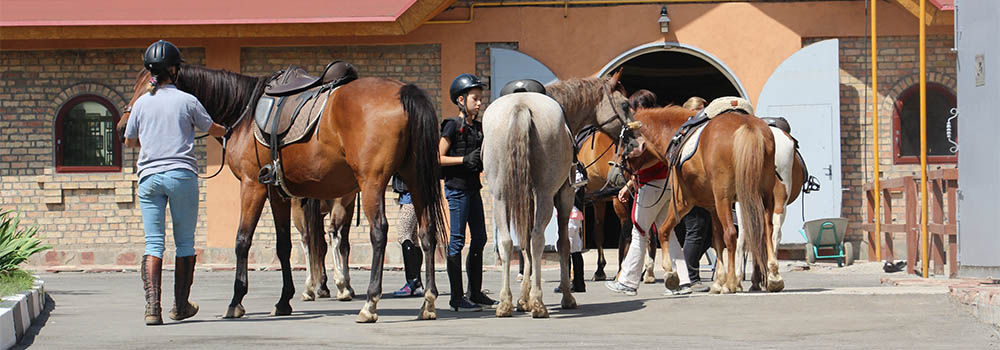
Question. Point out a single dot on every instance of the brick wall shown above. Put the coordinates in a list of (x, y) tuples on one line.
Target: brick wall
[(898, 69), (89, 218), (483, 64)]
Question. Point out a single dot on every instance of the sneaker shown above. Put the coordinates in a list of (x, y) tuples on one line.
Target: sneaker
[(481, 299), (412, 288), (699, 287), (616, 287), (683, 290), (464, 305)]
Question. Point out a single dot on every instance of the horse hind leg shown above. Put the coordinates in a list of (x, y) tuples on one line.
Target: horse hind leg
[(522, 301), (648, 275), (340, 229), (373, 201), (543, 213), (506, 247), (741, 259), (564, 199), (775, 283), (598, 229)]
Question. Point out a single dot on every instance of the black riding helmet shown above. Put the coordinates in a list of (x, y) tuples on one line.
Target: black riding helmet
[(462, 84), (523, 85), (160, 56)]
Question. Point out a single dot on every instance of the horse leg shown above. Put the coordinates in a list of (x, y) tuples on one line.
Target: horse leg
[(718, 243), (741, 258), (670, 219), (281, 212), (506, 245), (624, 213), (729, 284), (648, 276), (543, 213), (776, 211), (522, 301), (340, 229), (564, 201), (427, 237), (252, 196), (299, 221), (373, 202), (598, 229)]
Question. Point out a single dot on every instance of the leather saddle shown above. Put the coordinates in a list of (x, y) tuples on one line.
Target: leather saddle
[(716, 107), (295, 79), (778, 122)]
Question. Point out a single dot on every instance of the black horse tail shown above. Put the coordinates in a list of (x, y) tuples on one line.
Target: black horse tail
[(424, 139)]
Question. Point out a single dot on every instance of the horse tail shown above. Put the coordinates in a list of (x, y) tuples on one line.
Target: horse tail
[(424, 139), (748, 154), (517, 189)]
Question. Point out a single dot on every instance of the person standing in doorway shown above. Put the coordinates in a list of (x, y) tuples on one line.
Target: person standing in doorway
[(162, 124), (460, 150)]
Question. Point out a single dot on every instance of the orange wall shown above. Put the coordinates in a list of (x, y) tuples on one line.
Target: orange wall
[(752, 39)]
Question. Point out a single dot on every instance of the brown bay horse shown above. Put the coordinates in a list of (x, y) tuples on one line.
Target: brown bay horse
[(734, 162), (370, 129)]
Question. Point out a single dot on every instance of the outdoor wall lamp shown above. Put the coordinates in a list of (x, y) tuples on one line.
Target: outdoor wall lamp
[(664, 20)]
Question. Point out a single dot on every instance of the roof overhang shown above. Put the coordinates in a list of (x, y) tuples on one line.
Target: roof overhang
[(105, 19), (940, 12)]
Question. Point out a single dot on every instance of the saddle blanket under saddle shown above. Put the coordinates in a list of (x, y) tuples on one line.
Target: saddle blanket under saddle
[(298, 114), (690, 132)]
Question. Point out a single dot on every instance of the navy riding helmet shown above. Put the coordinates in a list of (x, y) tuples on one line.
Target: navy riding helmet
[(462, 84), (160, 56)]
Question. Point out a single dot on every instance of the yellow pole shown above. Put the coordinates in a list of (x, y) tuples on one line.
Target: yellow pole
[(875, 143), (923, 139)]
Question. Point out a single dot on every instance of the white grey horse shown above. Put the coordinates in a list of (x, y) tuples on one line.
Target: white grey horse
[(527, 160)]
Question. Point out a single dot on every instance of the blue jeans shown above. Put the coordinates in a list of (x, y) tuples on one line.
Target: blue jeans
[(466, 207), (179, 187)]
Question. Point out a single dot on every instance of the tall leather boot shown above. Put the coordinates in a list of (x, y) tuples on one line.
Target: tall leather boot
[(474, 268), (150, 269), (578, 285), (183, 278), (458, 300)]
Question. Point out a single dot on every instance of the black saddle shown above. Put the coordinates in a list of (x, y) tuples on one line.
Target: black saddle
[(295, 79), (523, 85), (778, 122)]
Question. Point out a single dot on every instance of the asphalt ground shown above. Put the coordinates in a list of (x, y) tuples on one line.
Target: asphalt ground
[(823, 307)]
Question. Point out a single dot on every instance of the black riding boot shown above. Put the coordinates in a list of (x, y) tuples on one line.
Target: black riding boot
[(474, 268), (151, 271), (578, 285), (412, 259), (183, 278), (458, 300)]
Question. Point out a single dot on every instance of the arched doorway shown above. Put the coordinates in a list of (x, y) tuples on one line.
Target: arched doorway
[(675, 72)]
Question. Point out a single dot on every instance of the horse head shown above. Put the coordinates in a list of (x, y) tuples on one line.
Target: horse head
[(613, 109)]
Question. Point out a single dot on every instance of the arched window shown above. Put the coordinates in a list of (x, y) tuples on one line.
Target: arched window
[(86, 140), (906, 125)]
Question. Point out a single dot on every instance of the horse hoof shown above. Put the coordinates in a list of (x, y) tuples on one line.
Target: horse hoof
[(323, 293), (600, 276), (283, 310), (540, 312), (366, 317), (235, 312), (715, 289), (505, 310), (428, 315), (671, 281), (568, 302), (776, 285), (345, 296), (649, 278), (522, 305), (755, 287), (307, 296)]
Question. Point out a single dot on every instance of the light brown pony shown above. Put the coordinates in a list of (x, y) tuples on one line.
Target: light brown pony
[(734, 162), (597, 151), (371, 128), (308, 220)]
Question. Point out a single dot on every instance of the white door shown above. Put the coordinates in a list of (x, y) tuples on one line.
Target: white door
[(805, 89), (509, 65)]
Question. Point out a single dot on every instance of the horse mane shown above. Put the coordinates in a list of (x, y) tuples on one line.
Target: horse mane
[(577, 96), (664, 119), (224, 94)]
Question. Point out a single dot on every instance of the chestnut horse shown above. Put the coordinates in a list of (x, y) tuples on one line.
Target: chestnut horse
[(734, 161), (370, 129)]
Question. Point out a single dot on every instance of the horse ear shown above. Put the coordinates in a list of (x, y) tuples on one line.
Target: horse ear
[(616, 76)]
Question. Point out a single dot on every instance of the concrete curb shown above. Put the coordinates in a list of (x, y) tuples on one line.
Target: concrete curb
[(982, 300), (18, 311)]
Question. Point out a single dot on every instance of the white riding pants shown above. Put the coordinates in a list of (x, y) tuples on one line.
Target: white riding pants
[(648, 210)]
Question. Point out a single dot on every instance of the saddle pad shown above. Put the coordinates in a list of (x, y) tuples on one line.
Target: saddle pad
[(726, 104), (691, 145), (300, 115)]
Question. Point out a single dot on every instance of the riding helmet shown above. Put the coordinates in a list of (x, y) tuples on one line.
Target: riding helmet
[(464, 82), (523, 85), (160, 56)]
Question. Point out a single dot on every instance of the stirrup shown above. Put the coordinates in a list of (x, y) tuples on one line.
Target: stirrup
[(580, 183)]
